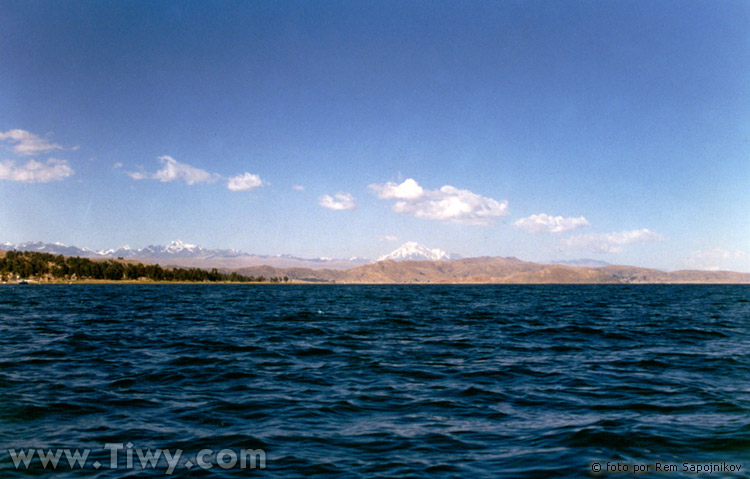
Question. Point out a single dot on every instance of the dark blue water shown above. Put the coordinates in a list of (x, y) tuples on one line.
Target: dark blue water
[(377, 381)]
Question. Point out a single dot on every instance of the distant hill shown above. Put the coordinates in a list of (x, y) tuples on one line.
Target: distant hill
[(589, 263), (498, 271), (25, 267), (443, 269)]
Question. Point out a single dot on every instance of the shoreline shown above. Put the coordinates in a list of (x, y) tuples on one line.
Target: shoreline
[(447, 283)]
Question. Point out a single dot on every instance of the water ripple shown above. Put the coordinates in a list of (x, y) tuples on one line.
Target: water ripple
[(379, 381)]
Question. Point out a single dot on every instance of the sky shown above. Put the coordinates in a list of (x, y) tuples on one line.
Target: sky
[(609, 130)]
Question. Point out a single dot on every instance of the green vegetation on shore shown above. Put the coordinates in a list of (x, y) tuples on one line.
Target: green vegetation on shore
[(49, 267)]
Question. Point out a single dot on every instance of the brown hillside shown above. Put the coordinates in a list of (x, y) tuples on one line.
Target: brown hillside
[(560, 274), (693, 276), (493, 270)]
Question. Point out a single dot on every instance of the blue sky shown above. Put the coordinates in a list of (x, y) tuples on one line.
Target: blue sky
[(542, 130)]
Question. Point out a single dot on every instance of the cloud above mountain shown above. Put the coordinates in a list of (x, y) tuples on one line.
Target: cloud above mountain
[(544, 223), (611, 242), (447, 203), (714, 258), (387, 238)]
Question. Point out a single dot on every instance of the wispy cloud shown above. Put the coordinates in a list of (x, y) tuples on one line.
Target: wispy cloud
[(35, 171), (611, 242), (137, 175), (244, 182), (447, 203), (544, 223), (298, 187), (338, 202), (388, 238), (173, 170), (713, 259), (27, 143)]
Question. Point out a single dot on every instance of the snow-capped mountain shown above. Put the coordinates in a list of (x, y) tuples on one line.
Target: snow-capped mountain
[(418, 252), (52, 248), (175, 249), (123, 251), (190, 254), (185, 254)]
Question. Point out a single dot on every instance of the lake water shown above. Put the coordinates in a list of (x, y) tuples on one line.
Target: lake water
[(375, 381)]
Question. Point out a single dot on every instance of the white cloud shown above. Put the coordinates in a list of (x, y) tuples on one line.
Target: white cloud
[(448, 203), (298, 187), (388, 238), (137, 175), (117, 165), (544, 223), (339, 201), (35, 171), (173, 170), (611, 242), (408, 190), (244, 182), (27, 143), (714, 259)]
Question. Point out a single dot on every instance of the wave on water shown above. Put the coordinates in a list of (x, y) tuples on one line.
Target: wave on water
[(377, 381)]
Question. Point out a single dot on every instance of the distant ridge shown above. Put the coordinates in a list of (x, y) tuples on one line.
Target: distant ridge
[(175, 249), (179, 253), (491, 270), (589, 263)]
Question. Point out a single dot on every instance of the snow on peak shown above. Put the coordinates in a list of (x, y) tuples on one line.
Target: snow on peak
[(121, 251), (415, 251), (177, 246)]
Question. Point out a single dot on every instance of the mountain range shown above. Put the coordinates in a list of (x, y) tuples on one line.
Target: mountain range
[(410, 263), (495, 270), (179, 253)]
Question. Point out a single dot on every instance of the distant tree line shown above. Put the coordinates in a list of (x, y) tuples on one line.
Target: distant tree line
[(28, 264)]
